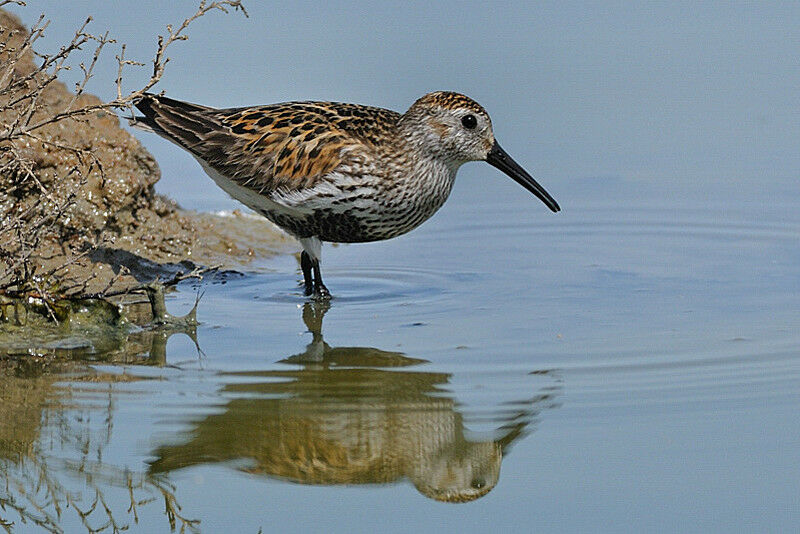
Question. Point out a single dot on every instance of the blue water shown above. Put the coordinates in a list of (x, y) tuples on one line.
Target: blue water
[(632, 367), (630, 364)]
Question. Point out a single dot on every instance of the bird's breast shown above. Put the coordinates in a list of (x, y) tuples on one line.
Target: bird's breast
[(351, 208)]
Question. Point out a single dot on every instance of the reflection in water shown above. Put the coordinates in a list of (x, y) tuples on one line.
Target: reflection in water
[(335, 415), (53, 437), (98, 332), (344, 417), (51, 467)]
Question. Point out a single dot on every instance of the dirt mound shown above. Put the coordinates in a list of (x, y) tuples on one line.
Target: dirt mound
[(115, 219)]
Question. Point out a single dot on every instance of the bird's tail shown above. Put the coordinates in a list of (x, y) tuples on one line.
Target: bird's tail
[(183, 123)]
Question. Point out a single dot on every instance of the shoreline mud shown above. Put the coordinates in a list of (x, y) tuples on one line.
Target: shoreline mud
[(101, 227)]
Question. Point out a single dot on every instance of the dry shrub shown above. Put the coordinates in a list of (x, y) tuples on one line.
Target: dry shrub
[(70, 179)]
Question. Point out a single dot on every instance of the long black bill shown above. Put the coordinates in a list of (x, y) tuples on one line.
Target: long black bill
[(498, 157)]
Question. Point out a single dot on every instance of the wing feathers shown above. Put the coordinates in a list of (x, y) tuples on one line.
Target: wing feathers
[(283, 146)]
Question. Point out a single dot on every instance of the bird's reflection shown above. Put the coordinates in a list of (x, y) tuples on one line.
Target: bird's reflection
[(353, 415)]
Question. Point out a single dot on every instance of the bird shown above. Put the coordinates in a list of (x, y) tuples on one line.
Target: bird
[(336, 172)]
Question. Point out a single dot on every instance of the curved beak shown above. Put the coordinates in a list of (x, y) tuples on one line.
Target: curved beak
[(498, 157)]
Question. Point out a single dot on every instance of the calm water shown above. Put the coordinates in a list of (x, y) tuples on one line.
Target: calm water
[(629, 364)]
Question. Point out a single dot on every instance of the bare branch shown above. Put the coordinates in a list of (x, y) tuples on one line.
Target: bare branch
[(15, 2), (160, 60), (35, 207), (197, 273)]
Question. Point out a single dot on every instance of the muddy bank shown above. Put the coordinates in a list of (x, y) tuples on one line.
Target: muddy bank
[(115, 208), (86, 188)]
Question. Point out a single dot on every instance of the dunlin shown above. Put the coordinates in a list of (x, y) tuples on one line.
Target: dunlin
[(328, 171)]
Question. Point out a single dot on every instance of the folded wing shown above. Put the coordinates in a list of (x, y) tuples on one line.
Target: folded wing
[(276, 148)]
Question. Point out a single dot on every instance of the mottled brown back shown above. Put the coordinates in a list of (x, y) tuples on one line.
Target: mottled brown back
[(280, 146)]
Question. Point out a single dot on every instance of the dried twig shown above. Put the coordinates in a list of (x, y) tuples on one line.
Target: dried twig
[(34, 210), (197, 273)]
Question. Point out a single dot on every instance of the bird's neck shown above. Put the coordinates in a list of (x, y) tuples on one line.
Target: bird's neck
[(426, 168), (432, 172), (423, 184)]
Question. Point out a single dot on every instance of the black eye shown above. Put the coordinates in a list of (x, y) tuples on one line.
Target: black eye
[(469, 121)]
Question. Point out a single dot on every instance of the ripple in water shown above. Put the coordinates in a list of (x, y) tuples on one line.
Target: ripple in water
[(355, 285)]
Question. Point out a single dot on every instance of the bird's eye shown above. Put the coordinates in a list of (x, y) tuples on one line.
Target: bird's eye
[(469, 121)]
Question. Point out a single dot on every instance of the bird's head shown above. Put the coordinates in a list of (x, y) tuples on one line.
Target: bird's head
[(455, 129), (463, 472)]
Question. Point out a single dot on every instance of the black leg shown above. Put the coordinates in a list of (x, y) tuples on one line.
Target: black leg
[(320, 291), (305, 265)]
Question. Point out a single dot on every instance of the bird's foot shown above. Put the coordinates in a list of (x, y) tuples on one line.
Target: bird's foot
[(321, 292)]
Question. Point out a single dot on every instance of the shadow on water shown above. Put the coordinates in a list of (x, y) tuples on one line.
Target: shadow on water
[(354, 415)]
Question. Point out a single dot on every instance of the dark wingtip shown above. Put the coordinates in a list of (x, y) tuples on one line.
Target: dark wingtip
[(145, 104), (146, 121)]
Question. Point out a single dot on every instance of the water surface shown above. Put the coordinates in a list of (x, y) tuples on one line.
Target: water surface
[(619, 366), (629, 364)]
